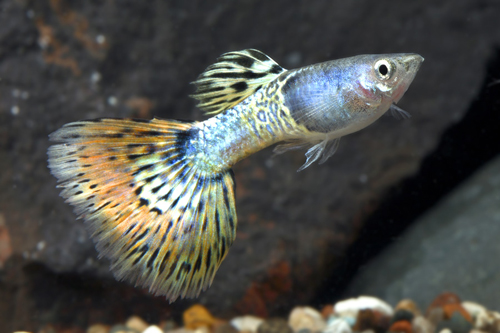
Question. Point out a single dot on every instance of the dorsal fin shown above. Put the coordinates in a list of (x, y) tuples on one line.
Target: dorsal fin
[(235, 76)]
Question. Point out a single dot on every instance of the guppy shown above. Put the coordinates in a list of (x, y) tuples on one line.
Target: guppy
[(158, 195)]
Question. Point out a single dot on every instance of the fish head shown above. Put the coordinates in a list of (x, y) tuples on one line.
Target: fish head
[(385, 78), (371, 84), (342, 96)]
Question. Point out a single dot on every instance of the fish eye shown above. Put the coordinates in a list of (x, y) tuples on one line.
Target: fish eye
[(383, 69)]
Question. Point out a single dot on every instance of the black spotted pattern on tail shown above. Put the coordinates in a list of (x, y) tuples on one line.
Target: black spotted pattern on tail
[(234, 77), (164, 224)]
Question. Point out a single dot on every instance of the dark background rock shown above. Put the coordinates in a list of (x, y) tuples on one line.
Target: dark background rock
[(453, 247), (62, 61)]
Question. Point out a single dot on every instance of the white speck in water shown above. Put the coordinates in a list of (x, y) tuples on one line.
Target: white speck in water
[(30, 13), (112, 100), (40, 245), (363, 178), (16, 93), (44, 42), (293, 59), (100, 39), (81, 236), (89, 262), (269, 163), (26, 254), (14, 110), (95, 77)]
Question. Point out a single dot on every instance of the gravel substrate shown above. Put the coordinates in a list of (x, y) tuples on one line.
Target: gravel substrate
[(446, 314)]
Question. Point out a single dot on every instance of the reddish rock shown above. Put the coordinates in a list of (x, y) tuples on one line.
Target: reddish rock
[(369, 319), (401, 326), (5, 247), (448, 303), (327, 311)]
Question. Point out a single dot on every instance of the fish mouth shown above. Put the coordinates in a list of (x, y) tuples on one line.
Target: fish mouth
[(411, 63)]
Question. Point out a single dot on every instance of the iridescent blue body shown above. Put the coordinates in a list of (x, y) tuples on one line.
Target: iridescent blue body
[(254, 124), (310, 105)]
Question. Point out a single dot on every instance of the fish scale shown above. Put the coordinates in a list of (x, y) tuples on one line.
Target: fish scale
[(158, 196), (247, 128)]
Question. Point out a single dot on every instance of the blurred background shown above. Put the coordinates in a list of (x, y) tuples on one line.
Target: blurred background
[(405, 208)]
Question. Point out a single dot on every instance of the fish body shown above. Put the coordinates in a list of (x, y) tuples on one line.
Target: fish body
[(158, 195), (308, 106)]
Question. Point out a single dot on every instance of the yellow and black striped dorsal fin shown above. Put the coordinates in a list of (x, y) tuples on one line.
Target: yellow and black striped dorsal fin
[(235, 76)]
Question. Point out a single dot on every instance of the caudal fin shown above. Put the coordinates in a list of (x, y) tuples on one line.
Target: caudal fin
[(163, 223)]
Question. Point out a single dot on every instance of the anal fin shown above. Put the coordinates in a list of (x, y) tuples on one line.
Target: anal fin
[(321, 151)]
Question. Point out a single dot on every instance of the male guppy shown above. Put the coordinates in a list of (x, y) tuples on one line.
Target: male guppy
[(158, 195)]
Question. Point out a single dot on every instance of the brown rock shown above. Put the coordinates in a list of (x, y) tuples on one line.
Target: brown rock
[(197, 316), (444, 306), (369, 319), (306, 318), (136, 323), (327, 311), (408, 305), (444, 299), (401, 326), (99, 328)]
